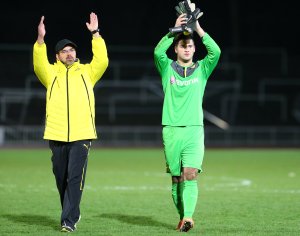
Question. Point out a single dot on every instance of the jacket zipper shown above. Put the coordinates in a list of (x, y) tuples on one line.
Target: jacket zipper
[(52, 87), (87, 92), (68, 112)]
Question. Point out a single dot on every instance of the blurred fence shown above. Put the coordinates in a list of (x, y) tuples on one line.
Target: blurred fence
[(135, 136), (251, 91)]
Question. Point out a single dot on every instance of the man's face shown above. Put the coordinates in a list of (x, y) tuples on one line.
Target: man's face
[(185, 50), (67, 55)]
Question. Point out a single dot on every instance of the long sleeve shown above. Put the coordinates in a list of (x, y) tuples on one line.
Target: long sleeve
[(210, 61), (160, 52), (41, 65), (100, 60)]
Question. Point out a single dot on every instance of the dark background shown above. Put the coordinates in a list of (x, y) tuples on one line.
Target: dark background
[(231, 22), (235, 25)]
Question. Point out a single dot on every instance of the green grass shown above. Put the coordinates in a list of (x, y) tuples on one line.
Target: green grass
[(127, 192)]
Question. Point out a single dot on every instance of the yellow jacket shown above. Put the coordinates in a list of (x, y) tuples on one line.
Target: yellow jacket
[(70, 102)]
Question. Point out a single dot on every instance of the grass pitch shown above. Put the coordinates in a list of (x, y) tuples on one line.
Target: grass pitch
[(127, 192)]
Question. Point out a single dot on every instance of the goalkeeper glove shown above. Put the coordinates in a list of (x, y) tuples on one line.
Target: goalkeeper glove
[(180, 8), (192, 13)]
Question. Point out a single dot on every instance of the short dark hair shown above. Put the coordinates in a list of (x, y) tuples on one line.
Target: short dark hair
[(182, 36)]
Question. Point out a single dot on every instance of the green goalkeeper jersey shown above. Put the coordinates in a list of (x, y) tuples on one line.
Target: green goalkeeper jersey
[(184, 86)]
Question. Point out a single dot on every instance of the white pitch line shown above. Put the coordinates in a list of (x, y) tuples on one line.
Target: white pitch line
[(209, 183)]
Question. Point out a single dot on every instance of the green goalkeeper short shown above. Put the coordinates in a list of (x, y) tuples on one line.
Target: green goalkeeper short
[(183, 147)]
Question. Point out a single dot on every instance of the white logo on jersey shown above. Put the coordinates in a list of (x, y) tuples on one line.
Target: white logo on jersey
[(172, 80), (187, 82)]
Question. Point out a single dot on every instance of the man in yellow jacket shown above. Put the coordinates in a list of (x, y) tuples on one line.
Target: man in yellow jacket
[(70, 113)]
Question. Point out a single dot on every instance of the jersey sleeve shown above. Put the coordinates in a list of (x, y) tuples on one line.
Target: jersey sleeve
[(210, 61), (161, 59)]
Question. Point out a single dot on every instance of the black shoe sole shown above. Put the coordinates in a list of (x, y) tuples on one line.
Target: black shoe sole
[(186, 226)]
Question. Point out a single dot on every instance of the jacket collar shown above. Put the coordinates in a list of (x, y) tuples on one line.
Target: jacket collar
[(60, 64)]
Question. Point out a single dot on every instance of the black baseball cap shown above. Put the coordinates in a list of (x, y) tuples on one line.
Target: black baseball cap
[(63, 43)]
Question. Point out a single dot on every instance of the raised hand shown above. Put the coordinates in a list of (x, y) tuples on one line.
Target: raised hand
[(181, 25), (181, 20), (192, 14), (41, 31), (93, 24)]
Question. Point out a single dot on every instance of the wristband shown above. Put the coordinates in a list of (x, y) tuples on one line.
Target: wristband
[(95, 31)]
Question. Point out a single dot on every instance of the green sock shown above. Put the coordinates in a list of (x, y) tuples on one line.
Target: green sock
[(189, 197), (177, 199)]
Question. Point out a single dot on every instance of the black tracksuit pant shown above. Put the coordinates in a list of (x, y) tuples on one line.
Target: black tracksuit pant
[(69, 163)]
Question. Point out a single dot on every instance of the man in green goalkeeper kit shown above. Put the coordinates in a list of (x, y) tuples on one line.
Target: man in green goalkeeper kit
[(183, 84)]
